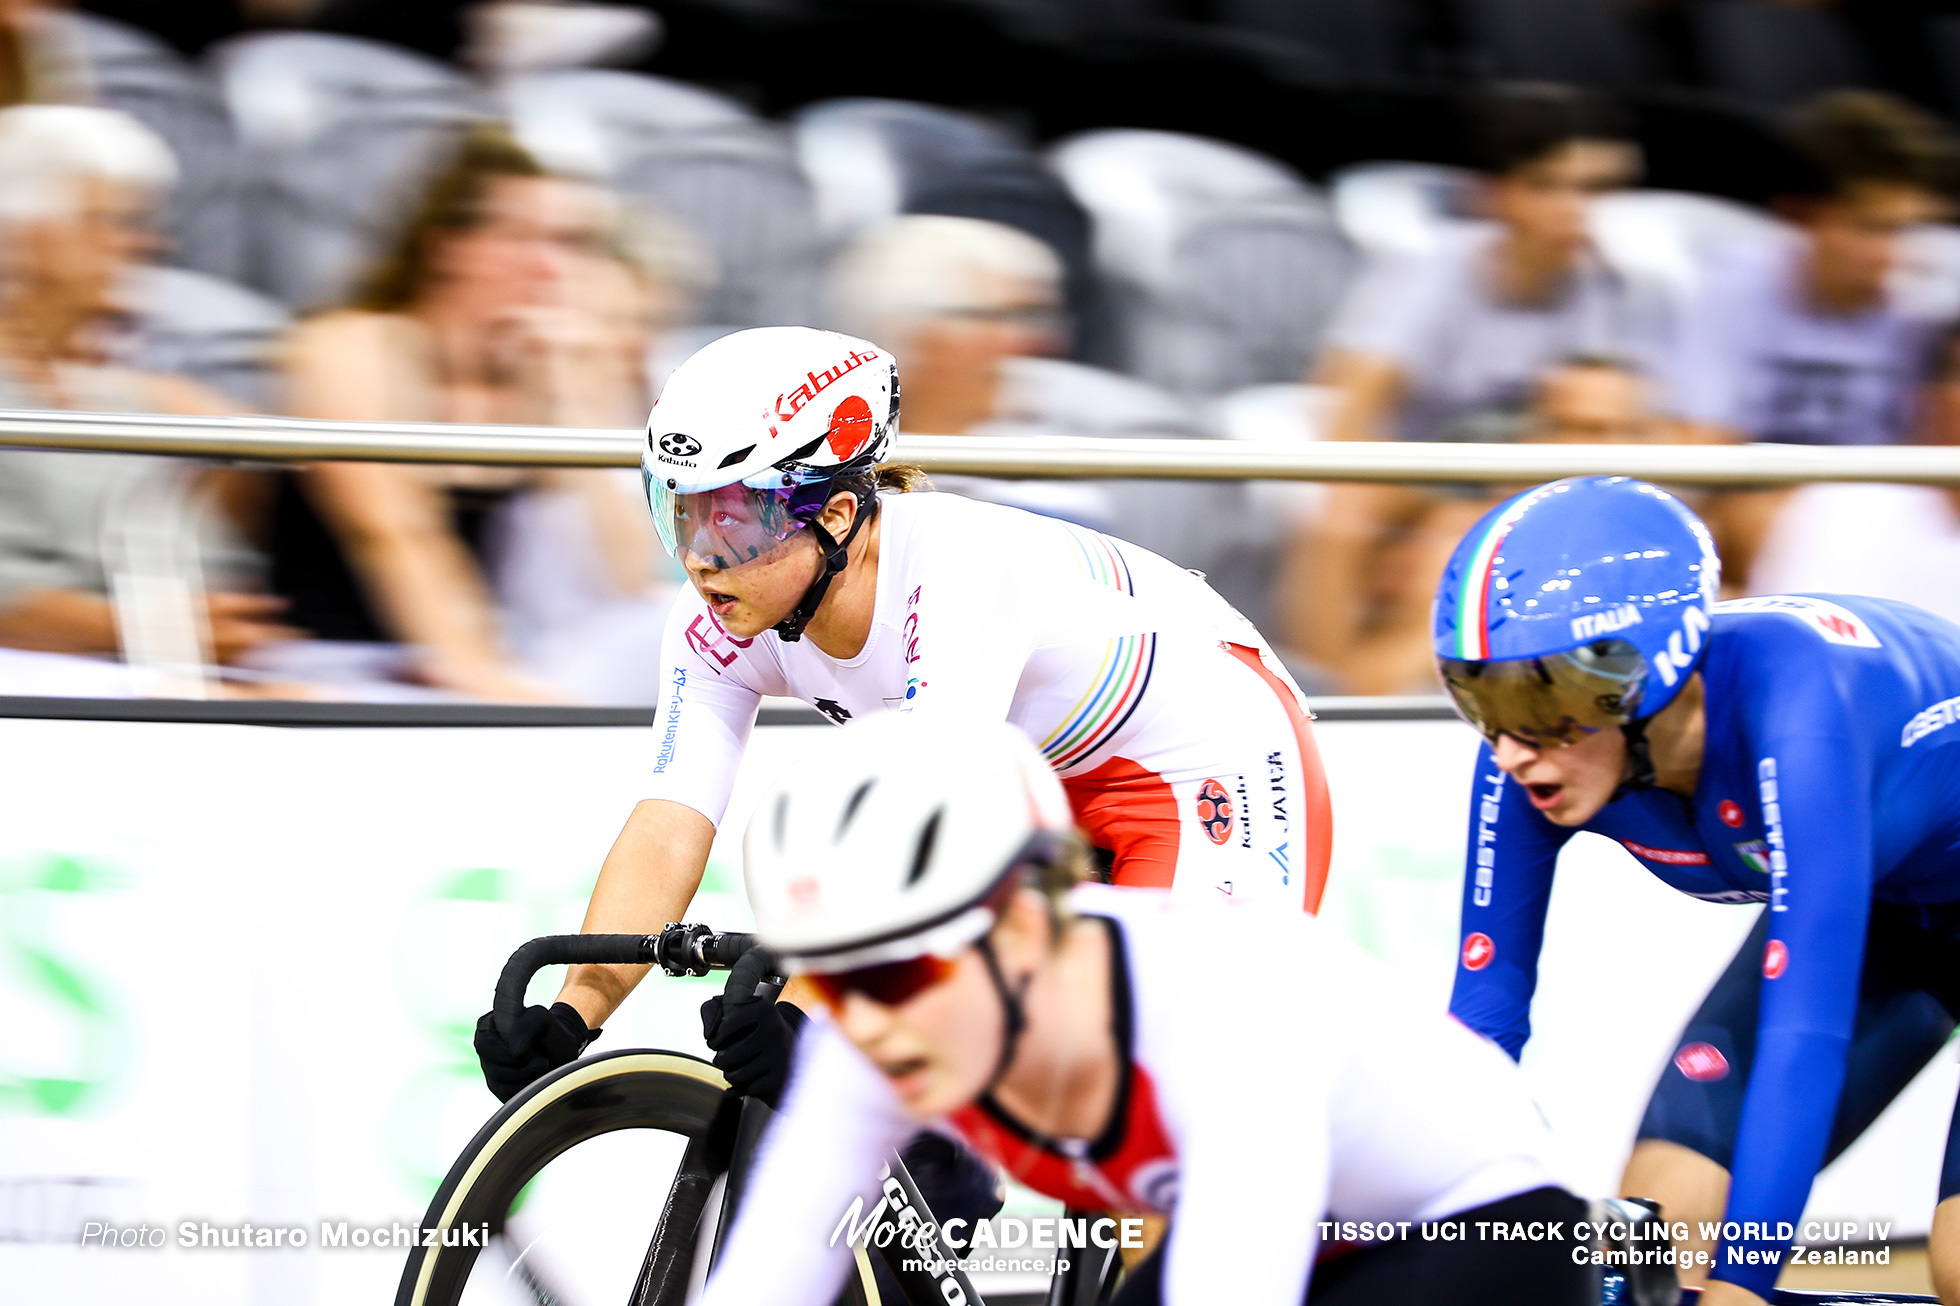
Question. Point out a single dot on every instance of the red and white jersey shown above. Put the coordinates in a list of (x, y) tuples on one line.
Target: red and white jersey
[(1274, 1075), (1182, 742)]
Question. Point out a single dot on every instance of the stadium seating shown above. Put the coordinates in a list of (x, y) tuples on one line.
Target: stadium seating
[(1773, 54), (697, 157), (211, 330), (1222, 267), (871, 159), (1587, 42), (133, 71), (1394, 208), (339, 134)]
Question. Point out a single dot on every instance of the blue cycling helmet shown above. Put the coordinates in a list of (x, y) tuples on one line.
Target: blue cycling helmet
[(1579, 605)]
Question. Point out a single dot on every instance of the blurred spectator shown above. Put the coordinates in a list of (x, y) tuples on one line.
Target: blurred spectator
[(79, 190), (1592, 399), (507, 299), (1447, 345), (1585, 399), (1804, 344), (971, 309), (1894, 541)]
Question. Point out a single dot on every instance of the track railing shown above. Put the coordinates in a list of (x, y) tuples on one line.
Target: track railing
[(285, 439)]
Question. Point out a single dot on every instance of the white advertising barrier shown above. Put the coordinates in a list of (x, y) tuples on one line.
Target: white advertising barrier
[(240, 966)]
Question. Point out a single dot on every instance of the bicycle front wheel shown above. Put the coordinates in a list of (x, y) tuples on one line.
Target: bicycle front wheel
[(635, 1089)]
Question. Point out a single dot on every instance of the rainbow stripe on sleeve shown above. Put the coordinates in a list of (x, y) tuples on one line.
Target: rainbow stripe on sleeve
[(1124, 674)]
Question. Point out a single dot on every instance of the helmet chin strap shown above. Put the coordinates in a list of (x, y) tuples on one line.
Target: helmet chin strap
[(1640, 760), (836, 556), (1014, 1013)]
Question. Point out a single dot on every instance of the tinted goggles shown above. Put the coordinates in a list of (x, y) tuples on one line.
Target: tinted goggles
[(729, 527), (889, 984), (1551, 701)]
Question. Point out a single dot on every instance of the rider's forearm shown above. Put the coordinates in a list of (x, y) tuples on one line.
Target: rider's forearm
[(648, 879)]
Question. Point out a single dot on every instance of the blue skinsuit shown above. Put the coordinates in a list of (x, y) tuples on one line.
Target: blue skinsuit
[(1830, 782)]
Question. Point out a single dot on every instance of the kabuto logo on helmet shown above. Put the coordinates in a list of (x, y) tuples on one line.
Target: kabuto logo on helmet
[(815, 383), (678, 445)]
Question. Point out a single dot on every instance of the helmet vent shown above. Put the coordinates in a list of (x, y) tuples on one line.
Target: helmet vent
[(927, 838), (851, 807), (782, 818), (735, 457), (804, 452)]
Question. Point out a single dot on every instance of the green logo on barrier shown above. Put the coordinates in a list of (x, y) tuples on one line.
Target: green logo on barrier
[(68, 1035), (455, 939)]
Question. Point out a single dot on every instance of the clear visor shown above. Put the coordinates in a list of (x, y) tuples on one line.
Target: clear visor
[(727, 528), (1551, 701)]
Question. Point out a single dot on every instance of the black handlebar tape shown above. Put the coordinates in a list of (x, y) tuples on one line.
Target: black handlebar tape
[(563, 950), (724, 950)]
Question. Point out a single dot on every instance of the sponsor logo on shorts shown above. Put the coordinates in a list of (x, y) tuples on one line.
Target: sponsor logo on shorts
[(1666, 856), (1215, 811), (1478, 950), (1731, 813), (1702, 1062), (1776, 959), (679, 445)]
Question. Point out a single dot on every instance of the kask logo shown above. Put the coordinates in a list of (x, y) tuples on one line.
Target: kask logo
[(1215, 811), (678, 445)]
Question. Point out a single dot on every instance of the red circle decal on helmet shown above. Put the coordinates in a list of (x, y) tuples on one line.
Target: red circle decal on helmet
[(1776, 959), (1702, 1062), (850, 427), (1215, 811), (1730, 813), (1478, 950)]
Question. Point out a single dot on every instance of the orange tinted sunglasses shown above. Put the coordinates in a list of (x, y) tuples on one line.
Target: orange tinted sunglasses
[(889, 984)]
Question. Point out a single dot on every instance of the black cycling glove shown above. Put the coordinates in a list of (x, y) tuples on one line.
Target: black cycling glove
[(545, 1039), (753, 1037)]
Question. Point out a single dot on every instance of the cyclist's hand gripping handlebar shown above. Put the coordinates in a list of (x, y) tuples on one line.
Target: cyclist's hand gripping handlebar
[(678, 949)]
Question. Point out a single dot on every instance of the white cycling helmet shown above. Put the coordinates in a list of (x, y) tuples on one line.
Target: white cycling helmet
[(901, 843), (752, 436)]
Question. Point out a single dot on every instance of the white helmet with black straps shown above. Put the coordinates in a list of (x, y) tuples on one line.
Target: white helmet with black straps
[(752, 436), (901, 843)]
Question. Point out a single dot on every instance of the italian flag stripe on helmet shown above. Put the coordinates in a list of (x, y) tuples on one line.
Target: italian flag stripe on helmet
[(1473, 603)]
